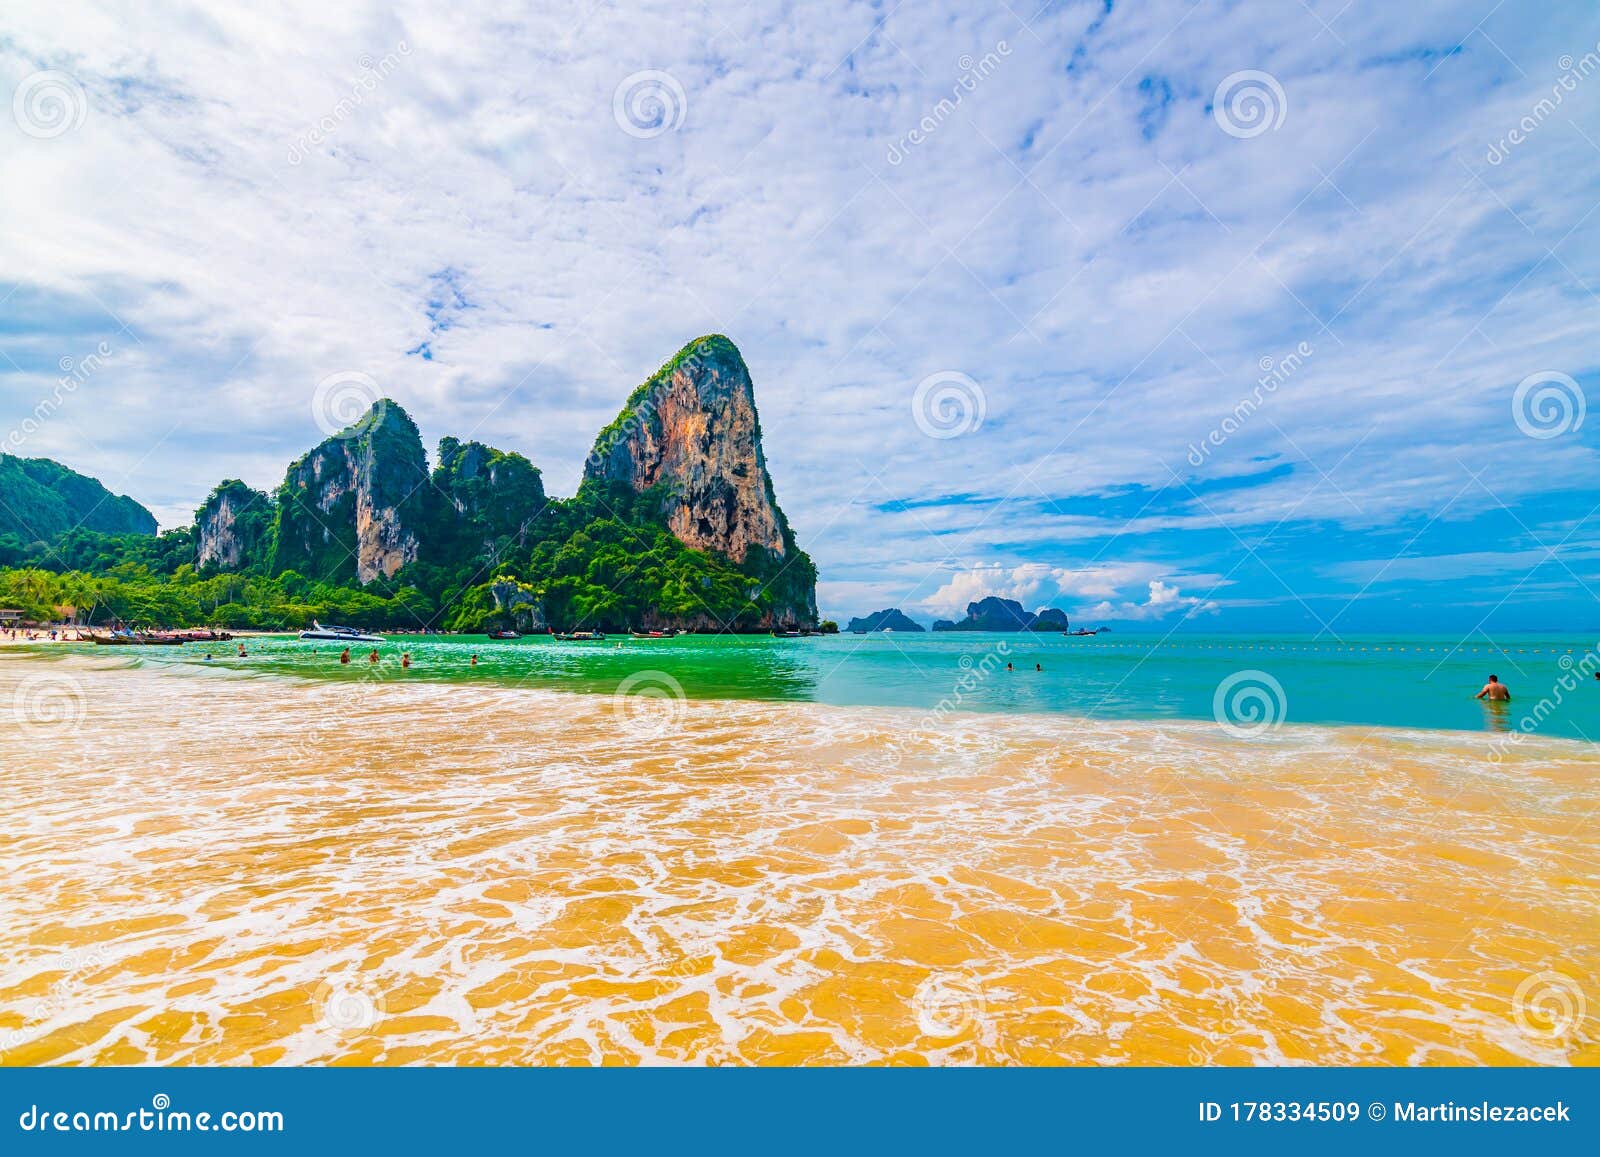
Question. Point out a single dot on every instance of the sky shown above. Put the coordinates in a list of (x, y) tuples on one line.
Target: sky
[(1176, 315)]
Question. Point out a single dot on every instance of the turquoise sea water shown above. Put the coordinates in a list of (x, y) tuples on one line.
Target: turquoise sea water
[(1417, 682)]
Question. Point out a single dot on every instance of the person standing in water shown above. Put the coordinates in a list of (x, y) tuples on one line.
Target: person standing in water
[(1494, 691), (405, 659), (344, 657), (373, 658), (474, 660), (242, 651)]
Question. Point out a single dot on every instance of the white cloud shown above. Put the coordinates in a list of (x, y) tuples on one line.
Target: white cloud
[(1036, 585), (1163, 602), (1109, 270)]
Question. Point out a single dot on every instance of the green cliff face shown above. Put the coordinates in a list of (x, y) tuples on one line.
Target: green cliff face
[(691, 438), (485, 495), (233, 528), (41, 499), (352, 507)]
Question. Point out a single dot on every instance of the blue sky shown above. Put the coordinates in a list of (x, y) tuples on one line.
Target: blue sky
[(1009, 278)]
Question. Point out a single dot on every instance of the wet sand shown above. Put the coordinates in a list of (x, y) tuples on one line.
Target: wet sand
[(210, 867)]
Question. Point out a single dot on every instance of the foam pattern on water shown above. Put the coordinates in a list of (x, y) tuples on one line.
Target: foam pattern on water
[(213, 868)]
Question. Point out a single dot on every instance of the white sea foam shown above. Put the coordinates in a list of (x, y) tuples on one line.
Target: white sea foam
[(466, 873)]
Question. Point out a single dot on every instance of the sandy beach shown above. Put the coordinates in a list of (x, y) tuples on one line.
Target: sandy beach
[(220, 867)]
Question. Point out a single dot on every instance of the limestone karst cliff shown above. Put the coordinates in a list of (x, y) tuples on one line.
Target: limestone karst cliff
[(690, 435), (352, 507), (675, 523), (232, 527)]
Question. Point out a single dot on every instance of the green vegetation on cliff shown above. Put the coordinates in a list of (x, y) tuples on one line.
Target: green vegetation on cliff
[(475, 544), (41, 499), (372, 471)]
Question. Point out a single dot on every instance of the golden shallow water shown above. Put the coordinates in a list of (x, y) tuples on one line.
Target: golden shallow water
[(203, 867)]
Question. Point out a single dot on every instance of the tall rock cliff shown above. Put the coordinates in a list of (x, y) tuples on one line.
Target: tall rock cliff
[(353, 507), (690, 434), (233, 527)]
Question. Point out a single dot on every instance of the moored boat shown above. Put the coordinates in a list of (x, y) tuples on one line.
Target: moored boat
[(506, 634), (581, 636), (338, 634), (139, 639)]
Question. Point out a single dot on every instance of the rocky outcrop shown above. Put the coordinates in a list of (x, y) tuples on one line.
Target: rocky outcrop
[(352, 507), (997, 614), (492, 494), (517, 606), (886, 620), (690, 436), (232, 527)]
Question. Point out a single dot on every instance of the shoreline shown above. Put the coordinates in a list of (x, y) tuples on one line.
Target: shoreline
[(1311, 735)]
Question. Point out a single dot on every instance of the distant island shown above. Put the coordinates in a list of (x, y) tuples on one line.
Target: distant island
[(675, 525), (890, 619), (997, 614)]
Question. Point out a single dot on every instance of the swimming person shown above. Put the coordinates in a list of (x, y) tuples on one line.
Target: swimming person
[(1038, 667), (344, 656), (1495, 691)]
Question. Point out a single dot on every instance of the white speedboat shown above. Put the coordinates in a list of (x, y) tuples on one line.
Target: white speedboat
[(338, 634)]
